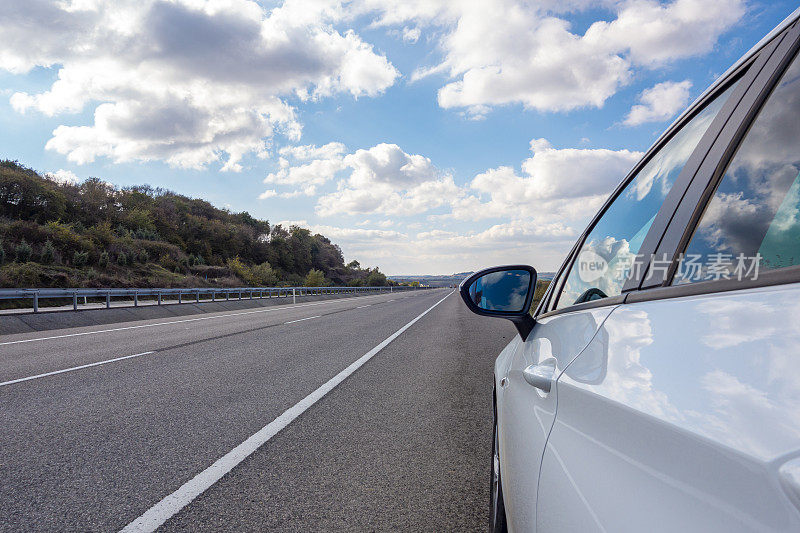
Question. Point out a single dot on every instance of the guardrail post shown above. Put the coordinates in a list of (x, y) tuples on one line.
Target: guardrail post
[(197, 297), (180, 297), (251, 294), (294, 296), (108, 300), (213, 296), (159, 297), (136, 299), (35, 302)]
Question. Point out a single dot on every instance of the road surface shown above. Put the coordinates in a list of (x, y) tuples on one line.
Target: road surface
[(371, 413)]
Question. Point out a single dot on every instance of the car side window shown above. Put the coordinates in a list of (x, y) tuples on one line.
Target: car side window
[(603, 262), (752, 222)]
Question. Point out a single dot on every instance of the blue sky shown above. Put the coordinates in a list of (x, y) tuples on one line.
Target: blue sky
[(421, 136)]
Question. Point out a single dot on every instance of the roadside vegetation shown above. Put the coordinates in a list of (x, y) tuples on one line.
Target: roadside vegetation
[(538, 292), (95, 235)]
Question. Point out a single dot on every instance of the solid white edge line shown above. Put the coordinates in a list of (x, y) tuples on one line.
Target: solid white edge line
[(162, 511), (363, 306), (301, 319), (277, 308), (54, 372)]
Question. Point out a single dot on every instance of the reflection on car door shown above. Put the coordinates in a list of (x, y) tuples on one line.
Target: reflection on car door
[(525, 413), (680, 415)]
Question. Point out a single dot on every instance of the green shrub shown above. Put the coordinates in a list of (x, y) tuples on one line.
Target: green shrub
[(103, 260), (195, 260), (376, 279), (121, 231), (315, 278), (146, 234), (64, 236), (23, 275), (23, 252), (2, 253), (168, 263), (263, 276), (101, 234), (80, 259), (239, 269), (122, 259), (143, 256), (48, 254)]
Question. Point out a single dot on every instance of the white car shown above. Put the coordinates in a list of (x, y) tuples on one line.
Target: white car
[(656, 386)]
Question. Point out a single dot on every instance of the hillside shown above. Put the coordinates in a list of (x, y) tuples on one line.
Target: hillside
[(95, 235)]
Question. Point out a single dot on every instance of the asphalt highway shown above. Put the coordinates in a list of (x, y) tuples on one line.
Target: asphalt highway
[(363, 414)]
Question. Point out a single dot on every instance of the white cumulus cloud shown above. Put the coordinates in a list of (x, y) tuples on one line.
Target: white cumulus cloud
[(659, 103), (382, 179), (63, 176), (500, 52), (187, 82), (555, 184)]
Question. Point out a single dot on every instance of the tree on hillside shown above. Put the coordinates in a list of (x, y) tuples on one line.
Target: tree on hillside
[(376, 279), (48, 254), (315, 278)]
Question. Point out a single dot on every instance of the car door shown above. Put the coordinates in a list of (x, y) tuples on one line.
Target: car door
[(683, 412), (525, 414), (586, 291)]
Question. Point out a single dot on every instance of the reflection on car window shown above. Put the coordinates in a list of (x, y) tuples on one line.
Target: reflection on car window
[(753, 220), (603, 262)]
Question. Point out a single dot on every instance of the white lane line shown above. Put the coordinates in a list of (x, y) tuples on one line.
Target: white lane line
[(154, 517), (277, 308), (363, 306), (37, 376), (301, 319)]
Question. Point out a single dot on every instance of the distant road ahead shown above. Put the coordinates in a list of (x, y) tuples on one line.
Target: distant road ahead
[(114, 426)]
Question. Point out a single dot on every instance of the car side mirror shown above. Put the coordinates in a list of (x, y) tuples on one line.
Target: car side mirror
[(502, 292)]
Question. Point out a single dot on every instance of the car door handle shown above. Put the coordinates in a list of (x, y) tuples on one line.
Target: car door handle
[(541, 375)]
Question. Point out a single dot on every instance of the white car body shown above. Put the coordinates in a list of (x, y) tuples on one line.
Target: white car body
[(678, 415), (670, 413)]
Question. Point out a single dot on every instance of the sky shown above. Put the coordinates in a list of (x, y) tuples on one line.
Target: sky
[(422, 136)]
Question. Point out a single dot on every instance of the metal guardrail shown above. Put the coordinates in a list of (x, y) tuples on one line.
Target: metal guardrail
[(193, 294)]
